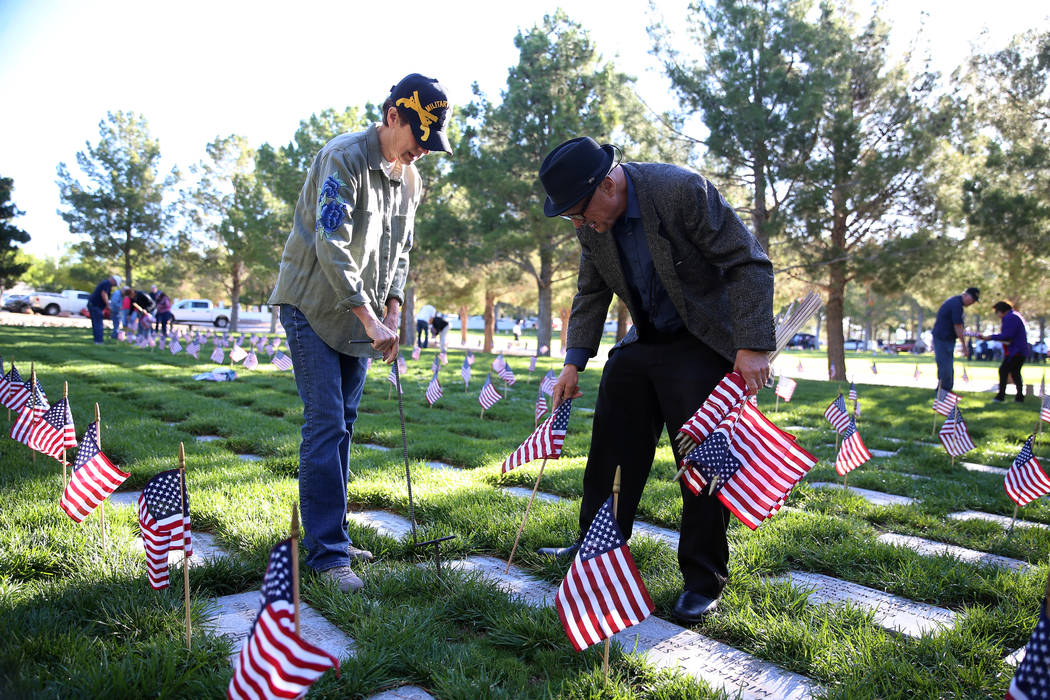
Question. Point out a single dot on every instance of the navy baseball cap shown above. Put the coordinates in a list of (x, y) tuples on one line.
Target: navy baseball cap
[(426, 103)]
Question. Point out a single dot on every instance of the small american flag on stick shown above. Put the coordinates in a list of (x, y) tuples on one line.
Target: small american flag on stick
[(54, 432), (164, 520), (281, 361), (1044, 410), (954, 436), (464, 371), (274, 661), (837, 415), (488, 396), (541, 406), (94, 478), (549, 380), (545, 442), (433, 392), (852, 396), (602, 593), (786, 387), (945, 401), (1025, 480), (852, 452)]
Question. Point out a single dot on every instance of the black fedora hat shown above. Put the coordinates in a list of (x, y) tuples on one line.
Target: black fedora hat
[(572, 171)]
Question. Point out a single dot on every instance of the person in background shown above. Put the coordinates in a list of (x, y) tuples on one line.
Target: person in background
[(116, 310), (423, 325), (440, 326), (126, 312), (946, 330), (96, 305), (153, 291), (1013, 334), (164, 314), (146, 307), (516, 330)]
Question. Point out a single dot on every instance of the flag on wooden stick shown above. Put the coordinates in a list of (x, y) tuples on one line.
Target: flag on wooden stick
[(786, 387), (281, 361), (541, 406), (488, 396), (54, 432), (94, 478), (274, 661), (602, 593), (464, 371), (852, 452), (837, 415), (945, 401), (1025, 480), (852, 396), (433, 392), (549, 380), (1033, 673), (545, 442), (164, 520), (954, 436)]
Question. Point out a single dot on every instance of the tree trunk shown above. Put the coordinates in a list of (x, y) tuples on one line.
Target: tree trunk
[(463, 318), (564, 329), (408, 320), (490, 319), (543, 287), (127, 258), (236, 282), (759, 215), (621, 319)]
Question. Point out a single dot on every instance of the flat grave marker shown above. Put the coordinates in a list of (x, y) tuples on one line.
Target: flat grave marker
[(209, 438), (384, 523), (929, 548), (877, 498), (983, 468), (1000, 520), (405, 692)]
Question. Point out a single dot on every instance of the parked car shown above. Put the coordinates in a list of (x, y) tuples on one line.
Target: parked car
[(16, 302), (205, 311), (54, 303), (854, 344), (907, 346), (806, 341)]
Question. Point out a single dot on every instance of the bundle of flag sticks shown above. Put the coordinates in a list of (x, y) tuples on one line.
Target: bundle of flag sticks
[(788, 324)]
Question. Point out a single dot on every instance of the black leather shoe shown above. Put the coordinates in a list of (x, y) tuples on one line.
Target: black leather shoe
[(559, 552), (693, 607)]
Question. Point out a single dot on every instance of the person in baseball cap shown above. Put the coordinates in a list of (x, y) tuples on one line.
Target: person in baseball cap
[(422, 103)]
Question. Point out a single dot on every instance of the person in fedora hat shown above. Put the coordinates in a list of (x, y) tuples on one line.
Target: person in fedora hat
[(700, 292), (341, 284), (946, 329)]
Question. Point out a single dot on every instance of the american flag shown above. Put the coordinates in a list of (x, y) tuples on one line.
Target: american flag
[(237, 353), (435, 365), (175, 346), (602, 593), (945, 401), (724, 397), (54, 432), (488, 396), (29, 414), (164, 520), (415, 352), (874, 369), (498, 363), (3, 381), (94, 478), (275, 662), (17, 392), (786, 387), (532, 364), (541, 405), (281, 361), (1044, 410), (916, 374), (271, 347), (402, 366), (757, 463), (1025, 480), (218, 355), (837, 415), (799, 367), (121, 335), (193, 348), (545, 442), (852, 452), (852, 396), (470, 357), (1033, 673), (464, 372), (856, 407), (433, 390), (549, 380), (954, 436), (1042, 382), (965, 376), (392, 378), (506, 374), (252, 361)]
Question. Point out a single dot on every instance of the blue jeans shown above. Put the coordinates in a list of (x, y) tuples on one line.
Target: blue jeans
[(944, 352), (97, 323), (118, 320), (330, 385)]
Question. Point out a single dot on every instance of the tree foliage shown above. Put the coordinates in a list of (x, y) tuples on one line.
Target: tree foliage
[(120, 208), (11, 266)]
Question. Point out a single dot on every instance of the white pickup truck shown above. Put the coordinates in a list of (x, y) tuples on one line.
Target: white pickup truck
[(53, 303), (204, 311)]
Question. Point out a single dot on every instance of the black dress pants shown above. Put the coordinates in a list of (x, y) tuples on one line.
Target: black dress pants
[(646, 388), (1011, 369)]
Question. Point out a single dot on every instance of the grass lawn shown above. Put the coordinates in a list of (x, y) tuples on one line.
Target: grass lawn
[(81, 621)]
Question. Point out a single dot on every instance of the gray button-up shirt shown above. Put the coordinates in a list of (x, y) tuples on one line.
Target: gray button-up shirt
[(350, 239)]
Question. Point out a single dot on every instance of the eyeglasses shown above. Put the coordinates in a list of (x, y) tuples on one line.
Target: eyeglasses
[(580, 218)]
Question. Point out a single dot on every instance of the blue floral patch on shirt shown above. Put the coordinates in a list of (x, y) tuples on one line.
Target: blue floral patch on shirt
[(330, 206)]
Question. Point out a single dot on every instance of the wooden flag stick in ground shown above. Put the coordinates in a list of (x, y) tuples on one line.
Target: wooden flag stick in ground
[(65, 395), (528, 507), (185, 554), (1010, 530), (293, 535), (101, 506), (616, 503)]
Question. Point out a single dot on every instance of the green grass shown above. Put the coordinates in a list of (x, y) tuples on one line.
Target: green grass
[(81, 621)]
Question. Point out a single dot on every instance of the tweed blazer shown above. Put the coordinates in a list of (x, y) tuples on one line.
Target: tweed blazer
[(713, 268)]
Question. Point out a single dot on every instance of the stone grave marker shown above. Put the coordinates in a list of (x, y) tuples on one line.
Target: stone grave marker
[(877, 498), (929, 548)]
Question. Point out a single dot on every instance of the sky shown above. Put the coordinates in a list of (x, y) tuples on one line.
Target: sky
[(197, 70)]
